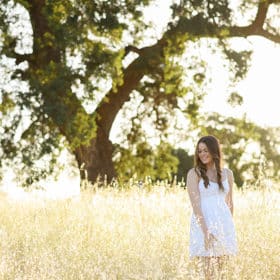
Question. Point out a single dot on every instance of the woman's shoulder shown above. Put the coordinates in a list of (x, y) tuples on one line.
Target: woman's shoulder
[(193, 173), (228, 173), (192, 179)]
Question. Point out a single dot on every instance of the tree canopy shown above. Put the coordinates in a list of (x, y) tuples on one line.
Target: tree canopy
[(248, 148), (68, 67)]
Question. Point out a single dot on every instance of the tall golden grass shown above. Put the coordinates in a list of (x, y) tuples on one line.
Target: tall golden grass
[(134, 233)]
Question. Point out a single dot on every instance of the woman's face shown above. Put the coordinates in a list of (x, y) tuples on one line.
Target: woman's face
[(204, 154)]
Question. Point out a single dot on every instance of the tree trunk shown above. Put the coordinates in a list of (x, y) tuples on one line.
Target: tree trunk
[(95, 161)]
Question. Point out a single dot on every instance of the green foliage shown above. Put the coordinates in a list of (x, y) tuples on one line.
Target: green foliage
[(7, 104), (269, 139), (250, 151), (142, 160), (186, 162), (90, 30), (245, 145), (215, 11), (235, 99), (239, 62)]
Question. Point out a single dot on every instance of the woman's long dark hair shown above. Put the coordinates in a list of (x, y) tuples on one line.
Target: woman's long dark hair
[(214, 149)]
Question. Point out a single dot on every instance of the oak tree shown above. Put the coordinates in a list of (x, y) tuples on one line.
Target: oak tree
[(68, 67)]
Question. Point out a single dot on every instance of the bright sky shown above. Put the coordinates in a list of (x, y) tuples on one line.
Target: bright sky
[(260, 88)]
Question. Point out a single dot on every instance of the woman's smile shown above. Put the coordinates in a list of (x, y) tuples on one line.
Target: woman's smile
[(204, 154)]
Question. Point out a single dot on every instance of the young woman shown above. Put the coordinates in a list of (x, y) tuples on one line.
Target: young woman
[(212, 233)]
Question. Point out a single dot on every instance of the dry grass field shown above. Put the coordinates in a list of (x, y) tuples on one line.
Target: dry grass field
[(131, 233)]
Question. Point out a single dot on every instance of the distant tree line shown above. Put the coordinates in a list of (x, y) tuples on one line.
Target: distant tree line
[(249, 150)]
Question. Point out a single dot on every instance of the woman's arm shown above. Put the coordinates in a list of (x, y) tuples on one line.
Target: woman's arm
[(229, 199), (193, 191)]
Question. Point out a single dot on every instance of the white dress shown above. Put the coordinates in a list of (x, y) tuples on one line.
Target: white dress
[(218, 219)]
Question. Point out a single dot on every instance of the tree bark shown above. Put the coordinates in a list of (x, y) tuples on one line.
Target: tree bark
[(95, 160)]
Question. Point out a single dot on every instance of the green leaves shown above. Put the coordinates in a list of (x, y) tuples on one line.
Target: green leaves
[(217, 12), (235, 99), (142, 160), (239, 62), (7, 104), (244, 144)]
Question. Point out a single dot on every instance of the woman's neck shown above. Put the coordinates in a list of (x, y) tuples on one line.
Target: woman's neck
[(211, 167)]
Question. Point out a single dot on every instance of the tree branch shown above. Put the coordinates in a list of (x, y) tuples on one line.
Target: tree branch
[(272, 37), (107, 110), (10, 52), (261, 14), (256, 28), (113, 101), (22, 57), (250, 30), (22, 74), (18, 57), (29, 129), (130, 48)]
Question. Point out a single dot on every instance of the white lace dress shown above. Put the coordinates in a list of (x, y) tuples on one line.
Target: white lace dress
[(218, 220)]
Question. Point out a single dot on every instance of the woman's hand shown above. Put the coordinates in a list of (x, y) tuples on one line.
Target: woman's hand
[(209, 239)]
